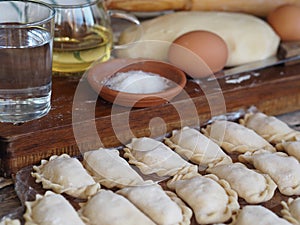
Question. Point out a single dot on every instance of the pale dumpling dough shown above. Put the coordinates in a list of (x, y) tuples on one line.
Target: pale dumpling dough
[(8, 221), (163, 207), (291, 148), (212, 199), (258, 215), (109, 208), (283, 169), (234, 137), (270, 127), (153, 156), (256, 41), (65, 174), (250, 185), (196, 147), (291, 210), (51, 209), (110, 169)]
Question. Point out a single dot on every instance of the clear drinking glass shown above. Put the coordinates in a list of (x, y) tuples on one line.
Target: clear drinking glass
[(83, 33), (26, 41)]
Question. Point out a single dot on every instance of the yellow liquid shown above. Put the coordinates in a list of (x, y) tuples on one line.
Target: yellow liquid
[(76, 54)]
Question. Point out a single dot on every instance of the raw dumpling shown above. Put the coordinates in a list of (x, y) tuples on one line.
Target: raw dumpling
[(51, 209), (258, 215), (283, 169), (250, 185), (234, 137), (291, 210), (290, 147), (163, 207), (152, 156), (212, 200), (64, 174), (109, 169), (270, 128), (109, 208), (196, 147), (8, 221)]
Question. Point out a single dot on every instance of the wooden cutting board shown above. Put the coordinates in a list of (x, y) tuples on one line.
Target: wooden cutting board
[(274, 90)]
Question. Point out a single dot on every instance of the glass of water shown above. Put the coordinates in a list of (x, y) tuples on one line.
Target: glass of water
[(26, 43)]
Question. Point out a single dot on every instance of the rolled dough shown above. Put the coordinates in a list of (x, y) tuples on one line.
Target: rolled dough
[(248, 37)]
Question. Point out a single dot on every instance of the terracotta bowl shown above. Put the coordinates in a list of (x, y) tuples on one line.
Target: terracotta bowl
[(99, 73)]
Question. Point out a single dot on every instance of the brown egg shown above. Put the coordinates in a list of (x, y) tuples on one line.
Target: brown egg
[(285, 20), (199, 53)]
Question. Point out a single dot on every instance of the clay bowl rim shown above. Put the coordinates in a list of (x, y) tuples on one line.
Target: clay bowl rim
[(137, 99)]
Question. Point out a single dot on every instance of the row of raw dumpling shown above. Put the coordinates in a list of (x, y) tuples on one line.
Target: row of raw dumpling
[(62, 173), (237, 138), (201, 192), (9, 221), (65, 174), (258, 131), (152, 157), (270, 128), (254, 138), (148, 204), (254, 187), (275, 131), (211, 199), (256, 214), (55, 209), (251, 185), (107, 173)]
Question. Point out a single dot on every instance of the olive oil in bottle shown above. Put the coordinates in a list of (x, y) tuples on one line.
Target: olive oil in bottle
[(76, 53)]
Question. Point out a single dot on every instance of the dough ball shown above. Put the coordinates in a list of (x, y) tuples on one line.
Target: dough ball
[(248, 38)]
